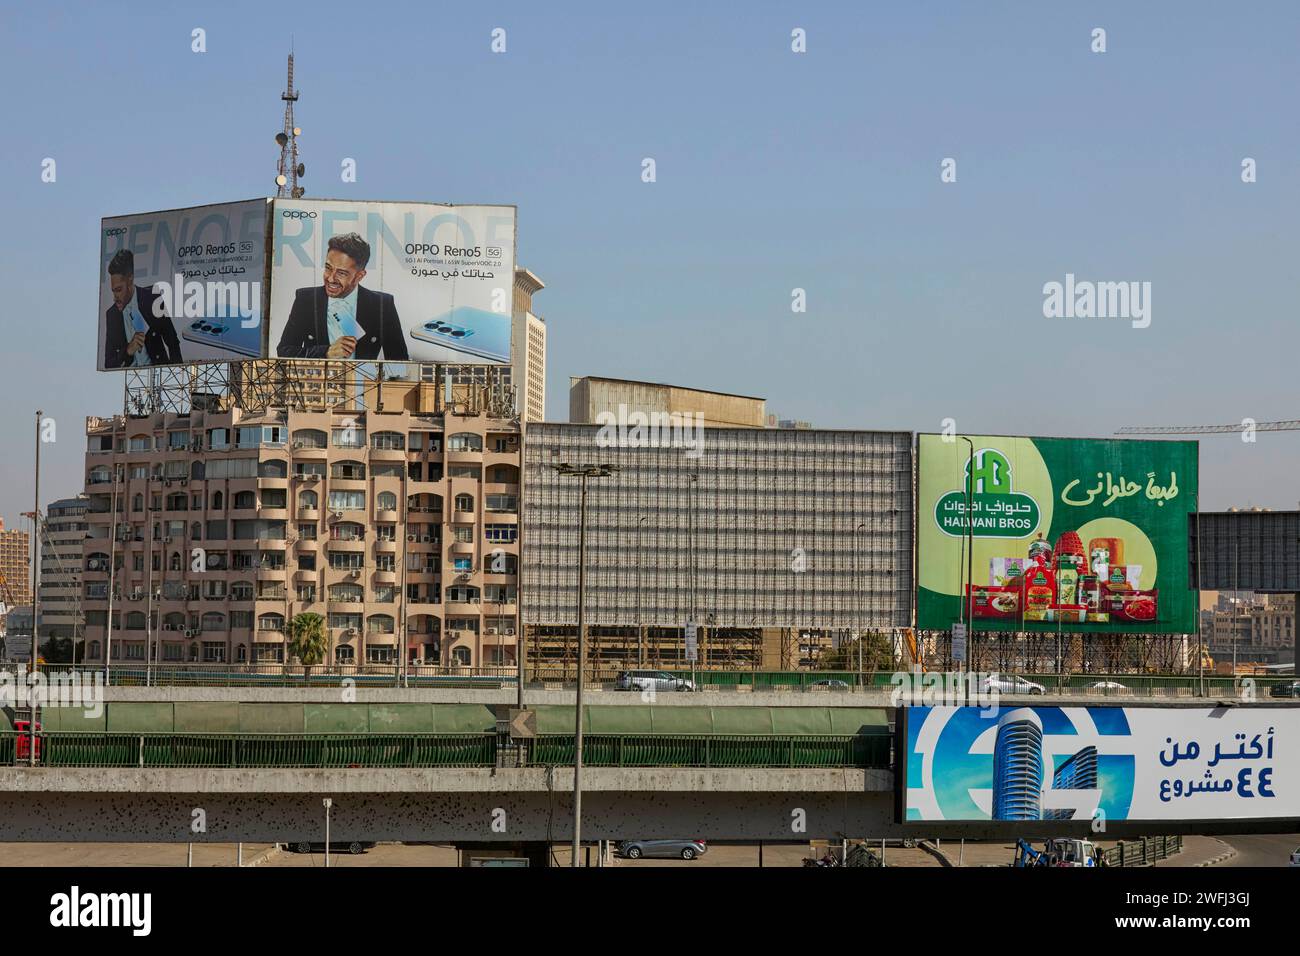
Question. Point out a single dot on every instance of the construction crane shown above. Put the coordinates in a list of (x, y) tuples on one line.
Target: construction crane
[(1242, 426)]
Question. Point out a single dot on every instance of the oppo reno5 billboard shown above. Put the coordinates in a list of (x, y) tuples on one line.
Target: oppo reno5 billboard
[(391, 281), (1120, 763), (182, 286), (1072, 534)]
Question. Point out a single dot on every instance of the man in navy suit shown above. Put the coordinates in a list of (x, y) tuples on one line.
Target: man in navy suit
[(138, 332), (340, 319)]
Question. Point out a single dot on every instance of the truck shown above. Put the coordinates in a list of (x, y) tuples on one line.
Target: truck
[(1063, 851)]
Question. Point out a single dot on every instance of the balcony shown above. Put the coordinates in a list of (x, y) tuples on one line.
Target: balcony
[(385, 577), (386, 545), (271, 574)]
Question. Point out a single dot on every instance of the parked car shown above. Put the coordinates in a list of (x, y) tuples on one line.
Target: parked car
[(651, 680), (1006, 684), (669, 849), (1108, 685), (1295, 857), (1289, 689), (356, 847), (831, 683)]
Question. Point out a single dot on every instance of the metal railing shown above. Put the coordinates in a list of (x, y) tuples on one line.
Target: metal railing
[(1143, 852), (416, 750), (136, 673)]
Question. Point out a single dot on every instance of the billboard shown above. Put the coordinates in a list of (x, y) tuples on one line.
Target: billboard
[(1075, 534), (1128, 763), (389, 281), (182, 286)]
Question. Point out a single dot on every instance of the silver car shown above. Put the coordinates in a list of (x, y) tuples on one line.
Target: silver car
[(1006, 684), (666, 849), (651, 680)]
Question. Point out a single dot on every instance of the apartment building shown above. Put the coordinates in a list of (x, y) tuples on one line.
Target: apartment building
[(208, 531), (63, 531), (16, 566)]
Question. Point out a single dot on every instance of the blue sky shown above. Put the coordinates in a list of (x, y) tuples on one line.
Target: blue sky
[(775, 171)]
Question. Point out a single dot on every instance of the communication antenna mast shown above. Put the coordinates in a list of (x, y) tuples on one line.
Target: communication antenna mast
[(290, 170)]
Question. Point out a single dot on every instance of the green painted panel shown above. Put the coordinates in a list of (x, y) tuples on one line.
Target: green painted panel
[(401, 718), (801, 720), (70, 720), (335, 718), (685, 720), (464, 719), (557, 719), (139, 717), (859, 720), (742, 720), (205, 717), (633, 719), (271, 718)]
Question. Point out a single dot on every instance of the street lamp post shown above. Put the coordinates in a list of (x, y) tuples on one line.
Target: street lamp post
[(969, 607), (857, 595), (582, 473)]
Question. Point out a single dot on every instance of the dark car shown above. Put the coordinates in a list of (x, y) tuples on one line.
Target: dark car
[(356, 847), (664, 849), (1290, 689)]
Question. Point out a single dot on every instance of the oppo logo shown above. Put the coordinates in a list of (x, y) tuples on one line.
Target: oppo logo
[(297, 214), (119, 231)]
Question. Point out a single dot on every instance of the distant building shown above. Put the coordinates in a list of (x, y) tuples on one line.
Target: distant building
[(528, 349), (16, 566), (61, 560), (1018, 766), (592, 396)]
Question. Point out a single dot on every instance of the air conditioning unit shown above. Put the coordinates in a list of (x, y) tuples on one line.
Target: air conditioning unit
[(184, 481), (513, 440), (354, 574), (336, 515), (297, 444), (427, 538), (167, 540), (311, 477), (412, 537)]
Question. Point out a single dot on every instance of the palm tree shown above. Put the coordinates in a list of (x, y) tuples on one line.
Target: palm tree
[(309, 640)]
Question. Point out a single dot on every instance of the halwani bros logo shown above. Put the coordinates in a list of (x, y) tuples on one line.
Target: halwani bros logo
[(996, 509)]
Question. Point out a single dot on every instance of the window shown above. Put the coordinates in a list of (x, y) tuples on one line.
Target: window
[(347, 560), (272, 468), (379, 624), (245, 500), (274, 498), (461, 656), (213, 621), (253, 436), (301, 469), (307, 530), (241, 619), (173, 652), (464, 535), (270, 622), (345, 655), (386, 470), (465, 503), (241, 590), (232, 468), (139, 472), (349, 436), (100, 476), (219, 439), (463, 564), (462, 595), (347, 501), (347, 593), (464, 441), (309, 438), (140, 443), (501, 445), (385, 532), (213, 653), (307, 593), (460, 471), (505, 533), (387, 441), (385, 562), (381, 655), (386, 501), (306, 562), (307, 500), (347, 531), (351, 470), (385, 594), (505, 503), (268, 653), (178, 441), (345, 622)]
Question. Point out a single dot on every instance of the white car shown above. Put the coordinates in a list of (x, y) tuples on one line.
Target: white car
[(1004, 684), (1108, 685)]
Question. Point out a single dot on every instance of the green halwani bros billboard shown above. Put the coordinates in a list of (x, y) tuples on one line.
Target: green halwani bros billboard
[(1078, 534)]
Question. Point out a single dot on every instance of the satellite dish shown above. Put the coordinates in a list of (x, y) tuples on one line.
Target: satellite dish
[(280, 180), (297, 131), (302, 170), (281, 138)]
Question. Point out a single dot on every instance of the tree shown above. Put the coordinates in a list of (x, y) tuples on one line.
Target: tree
[(876, 650), (309, 640)]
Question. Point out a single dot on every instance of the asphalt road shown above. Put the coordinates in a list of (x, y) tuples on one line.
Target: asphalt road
[(1262, 849)]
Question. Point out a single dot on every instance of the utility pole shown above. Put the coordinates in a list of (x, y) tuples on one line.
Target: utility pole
[(36, 599), (582, 474)]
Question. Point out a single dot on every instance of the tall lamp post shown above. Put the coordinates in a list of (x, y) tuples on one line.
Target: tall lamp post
[(969, 606), (857, 595), (582, 473)]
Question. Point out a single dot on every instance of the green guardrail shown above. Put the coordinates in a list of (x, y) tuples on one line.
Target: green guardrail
[(266, 751), (729, 750)]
